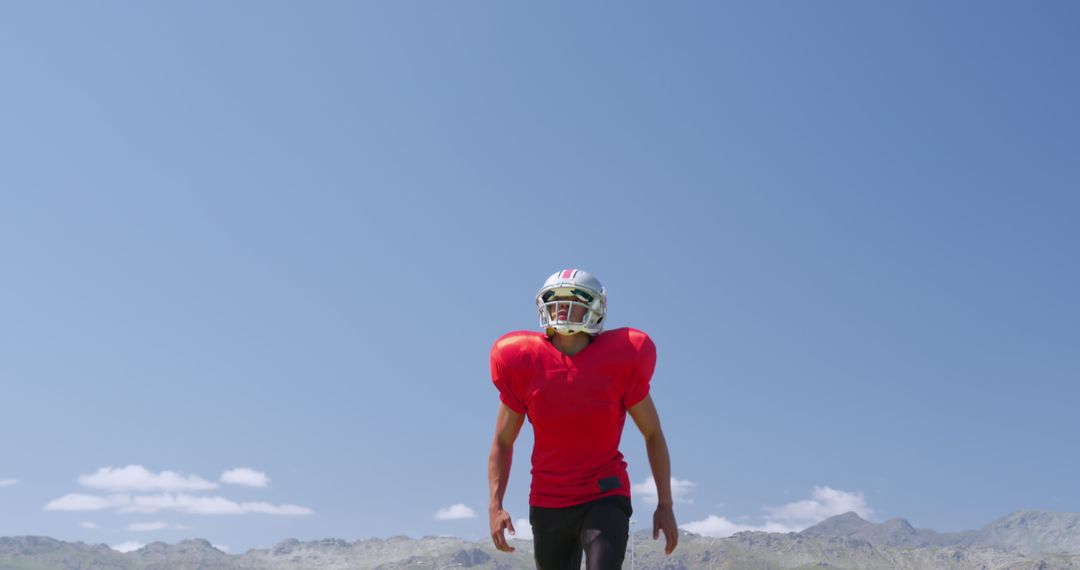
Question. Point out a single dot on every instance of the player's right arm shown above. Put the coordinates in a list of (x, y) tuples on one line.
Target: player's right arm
[(507, 426)]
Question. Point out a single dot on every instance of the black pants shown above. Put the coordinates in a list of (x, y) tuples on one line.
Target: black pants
[(598, 528)]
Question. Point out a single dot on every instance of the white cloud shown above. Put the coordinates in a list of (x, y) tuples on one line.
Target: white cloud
[(245, 476), (220, 547), (195, 505), (147, 526), (713, 525), (680, 490), (458, 511), (87, 524), (78, 502), (825, 502), (522, 530), (127, 546), (268, 509), (151, 503), (138, 478), (183, 503), (8, 482)]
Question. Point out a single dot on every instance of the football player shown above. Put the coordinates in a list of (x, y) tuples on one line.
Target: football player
[(575, 383)]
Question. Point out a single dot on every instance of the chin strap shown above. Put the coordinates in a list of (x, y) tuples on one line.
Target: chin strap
[(552, 332)]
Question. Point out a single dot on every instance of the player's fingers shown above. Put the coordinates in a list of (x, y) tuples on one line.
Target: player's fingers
[(506, 544), (510, 526), (671, 536), (499, 540), (502, 544)]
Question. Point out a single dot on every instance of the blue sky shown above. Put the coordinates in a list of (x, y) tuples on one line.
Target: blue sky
[(254, 256)]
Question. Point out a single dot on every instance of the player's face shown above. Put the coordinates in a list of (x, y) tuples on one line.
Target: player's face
[(565, 311)]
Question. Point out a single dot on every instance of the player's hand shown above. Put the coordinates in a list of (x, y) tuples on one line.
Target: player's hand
[(500, 521), (664, 520)]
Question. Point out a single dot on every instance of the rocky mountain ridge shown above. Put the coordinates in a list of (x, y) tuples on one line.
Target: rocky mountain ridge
[(1041, 540)]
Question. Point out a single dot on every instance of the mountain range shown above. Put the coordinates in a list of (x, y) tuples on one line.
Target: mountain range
[(1033, 539)]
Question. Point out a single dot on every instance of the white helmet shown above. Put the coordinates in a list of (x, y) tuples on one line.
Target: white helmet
[(588, 293)]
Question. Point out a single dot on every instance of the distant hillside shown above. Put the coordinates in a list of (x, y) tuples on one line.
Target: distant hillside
[(1035, 540), (893, 532), (1033, 531), (1028, 531)]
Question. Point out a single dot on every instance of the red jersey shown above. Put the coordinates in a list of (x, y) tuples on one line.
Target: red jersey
[(577, 406)]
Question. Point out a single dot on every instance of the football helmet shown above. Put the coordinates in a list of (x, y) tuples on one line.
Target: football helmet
[(561, 293)]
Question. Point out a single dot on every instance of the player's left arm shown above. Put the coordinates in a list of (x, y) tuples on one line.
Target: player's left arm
[(648, 422)]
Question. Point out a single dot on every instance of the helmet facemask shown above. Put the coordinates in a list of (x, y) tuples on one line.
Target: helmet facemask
[(558, 306)]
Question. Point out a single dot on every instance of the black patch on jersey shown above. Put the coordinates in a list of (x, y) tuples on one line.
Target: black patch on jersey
[(609, 484)]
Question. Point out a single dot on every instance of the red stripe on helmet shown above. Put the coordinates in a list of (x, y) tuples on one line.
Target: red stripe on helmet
[(567, 273)]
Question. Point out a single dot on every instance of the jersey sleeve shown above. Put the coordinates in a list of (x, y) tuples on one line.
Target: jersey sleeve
[(637, 383), (504, 382)]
